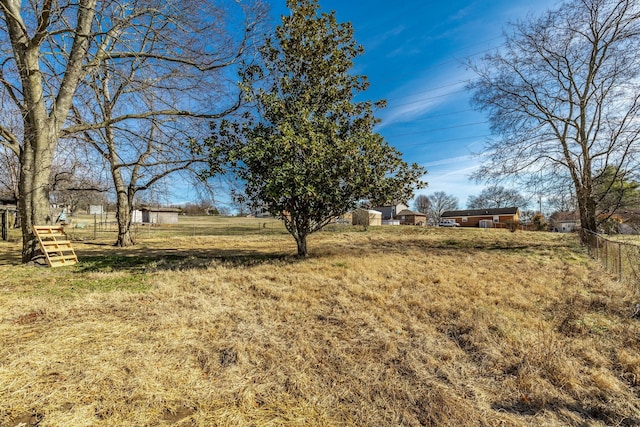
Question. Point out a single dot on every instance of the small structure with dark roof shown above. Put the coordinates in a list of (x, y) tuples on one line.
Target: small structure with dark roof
[(409, 217), (484, 218)]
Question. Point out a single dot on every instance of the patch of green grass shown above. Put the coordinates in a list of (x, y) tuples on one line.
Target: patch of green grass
[(128, 283), (72, 281)]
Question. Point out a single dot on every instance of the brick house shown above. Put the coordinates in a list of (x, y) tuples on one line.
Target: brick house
[(409, 217), (484, 218)]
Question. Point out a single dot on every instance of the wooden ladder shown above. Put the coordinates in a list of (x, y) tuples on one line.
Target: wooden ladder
[(55, 245)]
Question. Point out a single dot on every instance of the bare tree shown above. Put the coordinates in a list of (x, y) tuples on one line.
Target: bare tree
[(10, 167), (496, 196), (563, 98), (440, 203), (422, 203), (54, 48)]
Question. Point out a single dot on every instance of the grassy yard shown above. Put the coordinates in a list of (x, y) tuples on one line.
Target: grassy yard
[(393, 326), (88, 227)]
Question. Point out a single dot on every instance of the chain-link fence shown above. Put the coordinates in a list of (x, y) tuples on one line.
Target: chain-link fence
[(618, 257)]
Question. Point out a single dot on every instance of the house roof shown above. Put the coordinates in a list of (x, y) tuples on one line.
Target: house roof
[(7, 200), (481, 212), (565, 216), (390, 205), (146, 208), (370, 211), (628, 214), (410, 212)]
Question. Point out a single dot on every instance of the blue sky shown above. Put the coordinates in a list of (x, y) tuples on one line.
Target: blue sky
[(413, 58)]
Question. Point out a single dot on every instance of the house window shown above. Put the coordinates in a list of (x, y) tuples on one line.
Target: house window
[(464, 219), (496, 218)]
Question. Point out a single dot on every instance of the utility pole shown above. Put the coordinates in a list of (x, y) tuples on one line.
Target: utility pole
[(540, 204)]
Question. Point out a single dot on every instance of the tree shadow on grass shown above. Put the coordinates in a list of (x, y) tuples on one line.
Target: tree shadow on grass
[(145, 260), (10, 253)]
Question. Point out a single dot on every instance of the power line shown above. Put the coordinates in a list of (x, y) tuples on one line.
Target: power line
[(439, 129), (417, 101), (443, 141), (453, 60), (435, 116), (428, 90), (448, 61)]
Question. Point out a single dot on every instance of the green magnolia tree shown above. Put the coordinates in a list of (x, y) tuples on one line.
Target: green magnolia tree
[(310, 153)]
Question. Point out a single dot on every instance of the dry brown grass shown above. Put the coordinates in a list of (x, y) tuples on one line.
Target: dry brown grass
[(398, 327)]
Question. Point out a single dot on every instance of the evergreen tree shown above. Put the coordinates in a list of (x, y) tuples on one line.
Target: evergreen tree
[(311, 154)]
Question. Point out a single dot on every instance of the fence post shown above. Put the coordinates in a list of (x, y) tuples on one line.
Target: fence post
[(617, 266), (95, 226), (5, 225), (619, 261)]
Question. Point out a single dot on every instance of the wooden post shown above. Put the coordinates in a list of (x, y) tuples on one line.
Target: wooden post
[(619, 261), (5, 225), (95, 226)]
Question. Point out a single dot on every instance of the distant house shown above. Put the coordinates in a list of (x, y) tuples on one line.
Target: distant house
[(391, 211), (630, 221), (568, 226), (136, 216), (8, 203), (565, 222), (95, 210), (409, 217), (366, 217), (160, 215), (7, 206), (484, 218)]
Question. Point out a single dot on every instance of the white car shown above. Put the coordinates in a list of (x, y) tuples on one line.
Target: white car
[(448, 223)]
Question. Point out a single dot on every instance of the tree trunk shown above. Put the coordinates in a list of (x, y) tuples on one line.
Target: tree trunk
[(34, 207), (301, 240), (123, 217), (124, 206), (588, 223), (42, 117)]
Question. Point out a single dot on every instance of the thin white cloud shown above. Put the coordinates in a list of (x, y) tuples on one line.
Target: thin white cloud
[(460, 172), (463, 13), (449, 160), (451, 175), (421, 95), (374, 42)]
